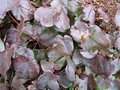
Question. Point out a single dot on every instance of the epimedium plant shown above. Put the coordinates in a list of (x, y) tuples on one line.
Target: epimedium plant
[(59, 45)]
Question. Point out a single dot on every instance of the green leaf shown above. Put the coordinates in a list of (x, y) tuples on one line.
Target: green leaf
[(71, 87), (35, 53), (36, 3)]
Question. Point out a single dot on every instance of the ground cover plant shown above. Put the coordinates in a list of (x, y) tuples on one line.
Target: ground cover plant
[(59, 45)]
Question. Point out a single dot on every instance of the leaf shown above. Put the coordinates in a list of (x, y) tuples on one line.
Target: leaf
[(76, 57), (62, 21), (3, 86), (63, 81), (24, 9), (32, 86), (67, 42), (47, 66), (73, 5), (26, 67), (82, 83), (6, 6), (23, 51), (48, 16), (55, 52), (2, 46), (79, 31), (58, 4), (53, 85), (103, 14), (117, 15), (101, 38), (47, 78), (70, 70), (116, 65), (114, 85), (45, 15), (88, 54), (101, 66), (12, 36), (89, 13), (63, 46), (97, 40), (17, 84), (36, 3), (48, 35), (117, 43), (5, 61)]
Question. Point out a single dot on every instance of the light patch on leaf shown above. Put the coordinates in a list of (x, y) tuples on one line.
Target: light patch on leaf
[(117, 15), (2, 46)]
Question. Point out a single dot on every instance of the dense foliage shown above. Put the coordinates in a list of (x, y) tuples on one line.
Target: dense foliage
[(59, 45)]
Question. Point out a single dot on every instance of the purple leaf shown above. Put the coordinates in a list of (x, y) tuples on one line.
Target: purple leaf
[(70, 70), (5, 61), (25, 67), (45, 79), (89, 13), (45, 15)]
